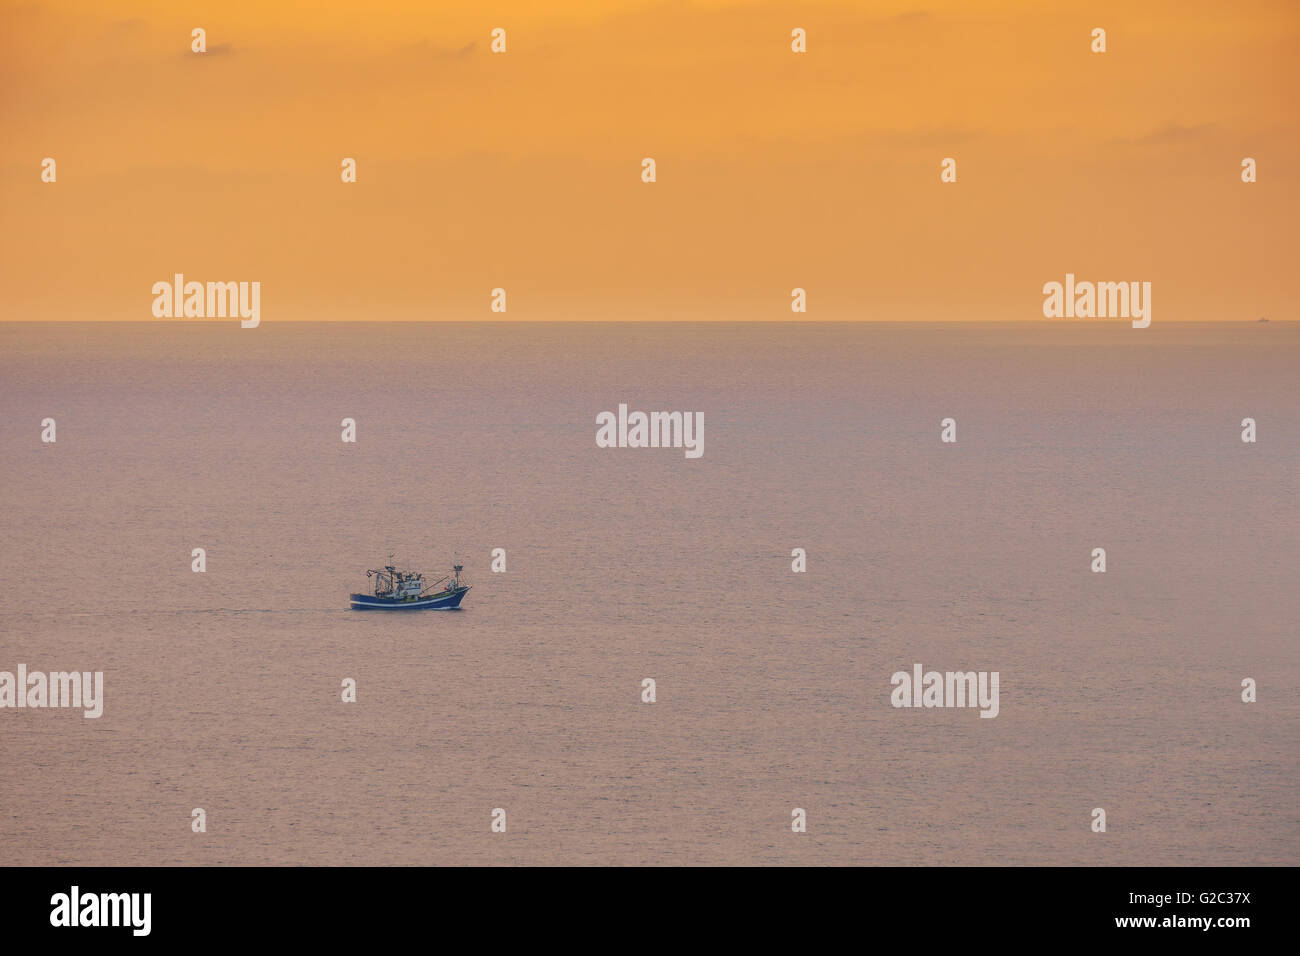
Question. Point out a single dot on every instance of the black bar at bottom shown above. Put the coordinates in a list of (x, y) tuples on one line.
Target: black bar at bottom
[(620, 907)]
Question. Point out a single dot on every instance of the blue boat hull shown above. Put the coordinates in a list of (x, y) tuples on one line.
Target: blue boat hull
[(443, 600)]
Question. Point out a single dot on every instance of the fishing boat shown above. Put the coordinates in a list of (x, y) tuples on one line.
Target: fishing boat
[(396, 590)]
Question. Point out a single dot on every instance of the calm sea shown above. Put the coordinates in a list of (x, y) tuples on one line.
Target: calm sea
[(222, 689)]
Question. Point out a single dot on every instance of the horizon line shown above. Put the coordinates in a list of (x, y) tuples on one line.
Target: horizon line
[(696, 321)]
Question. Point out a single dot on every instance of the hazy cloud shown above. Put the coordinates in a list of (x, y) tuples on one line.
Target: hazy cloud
[(1174, 133)]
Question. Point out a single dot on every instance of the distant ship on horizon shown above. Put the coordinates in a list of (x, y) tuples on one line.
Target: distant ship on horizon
[(396, 590)]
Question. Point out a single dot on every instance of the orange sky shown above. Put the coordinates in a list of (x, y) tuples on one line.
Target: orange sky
[(775, 170)]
